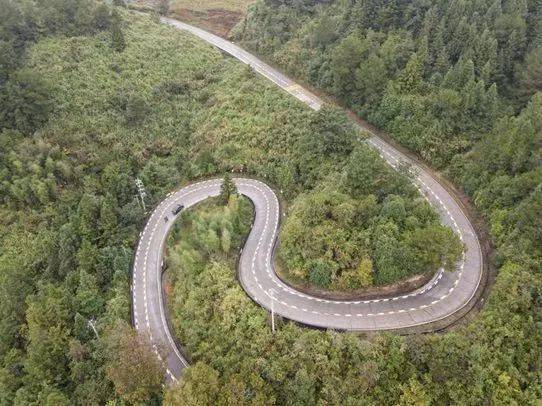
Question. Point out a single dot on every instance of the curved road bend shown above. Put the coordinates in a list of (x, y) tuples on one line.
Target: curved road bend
[(443, 296)]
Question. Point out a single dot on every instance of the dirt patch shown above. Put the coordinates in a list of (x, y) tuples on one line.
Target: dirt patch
[(167, 285), (218, 21)]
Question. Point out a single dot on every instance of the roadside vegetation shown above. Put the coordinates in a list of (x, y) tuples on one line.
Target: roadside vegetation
[(203, 248), (459, 83), (92, 98)]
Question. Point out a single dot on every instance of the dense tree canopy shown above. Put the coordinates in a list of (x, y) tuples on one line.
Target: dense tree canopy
[(356, 236), (432, 73), (84, 122), (80, 122)]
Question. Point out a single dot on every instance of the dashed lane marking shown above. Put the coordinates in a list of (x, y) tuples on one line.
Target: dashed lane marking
[(264, 191)]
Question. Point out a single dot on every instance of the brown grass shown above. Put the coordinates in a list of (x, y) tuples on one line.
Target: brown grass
[(217, 16)]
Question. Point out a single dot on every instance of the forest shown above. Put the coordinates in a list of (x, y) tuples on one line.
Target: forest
[(457, 82), (93, 97)]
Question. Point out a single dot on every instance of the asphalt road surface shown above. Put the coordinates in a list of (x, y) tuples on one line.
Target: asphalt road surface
[(443, 296)]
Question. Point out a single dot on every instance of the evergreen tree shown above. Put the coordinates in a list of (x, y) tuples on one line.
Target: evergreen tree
[(162, 7), (411, 78), (226, 190), (345, 59), (108, 216), (485, 56), (118, 43), (530, 78), (25, 103), (49, 316), (87, 217), (8, 60), (88, 299), (332, 133), (442, 63)]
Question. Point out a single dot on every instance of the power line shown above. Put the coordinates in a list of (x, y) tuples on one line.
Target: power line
[(142, 193)]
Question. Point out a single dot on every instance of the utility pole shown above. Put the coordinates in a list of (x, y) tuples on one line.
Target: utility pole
[(92, 324), (142, 193), (272, 296)]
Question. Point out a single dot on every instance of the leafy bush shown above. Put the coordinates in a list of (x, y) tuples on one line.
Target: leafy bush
[(319, 273), (26, 102)]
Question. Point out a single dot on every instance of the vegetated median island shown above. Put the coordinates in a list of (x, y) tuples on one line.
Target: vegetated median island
[(365, 226), (202, 251)]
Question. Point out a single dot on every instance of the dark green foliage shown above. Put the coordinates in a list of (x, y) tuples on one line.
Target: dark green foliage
[(504, 175), (173, 88), (118, 43), (225, 331), (319, 274), (218, 231), (25, 102), (162, 7), (136, 110), (227, 189), (201, 388), (69, 210), (69, 215), (434, 76), (332, 133), (530, 77), (352, 238), (132, 105), (24, 95), (367, 174), (434, 246)]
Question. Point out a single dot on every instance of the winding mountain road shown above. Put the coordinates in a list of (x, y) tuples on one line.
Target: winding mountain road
[(443, 296)]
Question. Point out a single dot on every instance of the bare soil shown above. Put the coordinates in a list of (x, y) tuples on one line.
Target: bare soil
[(217, 21)]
